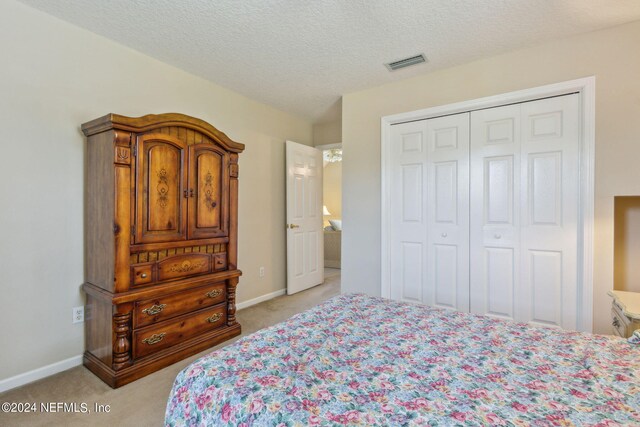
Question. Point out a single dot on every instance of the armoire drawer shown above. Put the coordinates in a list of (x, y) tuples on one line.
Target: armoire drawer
[(142, 273), (171, 332), (220, 261), (162, 308), (178, 266)]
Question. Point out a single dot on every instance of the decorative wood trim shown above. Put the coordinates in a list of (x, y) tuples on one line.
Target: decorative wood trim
[(153, 247), (586, 88), (122, 342), (122, 155), (233, 170), (231, 301), (232, 247), (153, 121), (152, 256), (122, 138)]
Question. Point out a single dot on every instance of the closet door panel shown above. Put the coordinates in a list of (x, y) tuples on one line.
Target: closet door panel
[(448, 212), (549, 203), (408, 232), (495, 211), (500, 282)]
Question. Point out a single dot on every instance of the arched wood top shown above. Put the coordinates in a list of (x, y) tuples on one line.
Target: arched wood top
[(153, 121)]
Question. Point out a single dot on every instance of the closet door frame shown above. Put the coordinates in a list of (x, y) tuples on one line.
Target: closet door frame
[(586, 88)]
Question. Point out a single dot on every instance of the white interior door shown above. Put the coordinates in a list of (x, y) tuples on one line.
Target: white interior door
[(305, 240), (430, 212), (524, 211)]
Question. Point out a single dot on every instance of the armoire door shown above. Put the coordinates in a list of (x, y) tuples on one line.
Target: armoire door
[(524, 211), (161, 200), (208, 200), (430, 212)]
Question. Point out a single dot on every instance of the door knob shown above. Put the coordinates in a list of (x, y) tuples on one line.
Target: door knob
[(498, 236), (444, 234), (293, 226)]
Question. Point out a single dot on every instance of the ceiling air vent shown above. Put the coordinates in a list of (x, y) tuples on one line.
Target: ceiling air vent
[(406, 62)]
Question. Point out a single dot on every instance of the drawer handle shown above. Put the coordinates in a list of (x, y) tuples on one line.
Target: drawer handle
[(143, 275), (214, 293), (616, 322), (154, 309), (154, 339), (214, 318)]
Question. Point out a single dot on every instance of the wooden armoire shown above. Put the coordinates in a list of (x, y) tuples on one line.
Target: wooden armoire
[(161, 242)]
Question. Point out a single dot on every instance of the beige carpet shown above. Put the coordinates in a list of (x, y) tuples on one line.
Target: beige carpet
[(142, 403)]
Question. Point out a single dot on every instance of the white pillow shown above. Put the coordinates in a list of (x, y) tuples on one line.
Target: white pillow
[(336, 224)]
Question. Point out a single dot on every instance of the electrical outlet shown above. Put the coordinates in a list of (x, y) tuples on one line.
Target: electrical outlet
[(261, 271), (78, 314)]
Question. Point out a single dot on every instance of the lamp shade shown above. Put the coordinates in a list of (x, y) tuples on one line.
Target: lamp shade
[(325, 211)]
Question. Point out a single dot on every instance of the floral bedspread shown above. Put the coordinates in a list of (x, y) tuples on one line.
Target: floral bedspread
[(357, 360)]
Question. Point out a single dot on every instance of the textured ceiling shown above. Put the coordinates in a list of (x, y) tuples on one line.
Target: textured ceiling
[(302, 55)]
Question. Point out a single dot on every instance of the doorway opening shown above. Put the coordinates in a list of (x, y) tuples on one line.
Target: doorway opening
[(332, 209)]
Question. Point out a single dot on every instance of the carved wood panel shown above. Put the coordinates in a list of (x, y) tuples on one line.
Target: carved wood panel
[(208, 208), (162, 176), (151, 256)]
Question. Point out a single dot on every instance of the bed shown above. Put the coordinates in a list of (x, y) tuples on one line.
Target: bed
[(358, 360)]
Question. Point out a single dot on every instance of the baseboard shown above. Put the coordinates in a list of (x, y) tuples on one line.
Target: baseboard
[(265, 297), (39, 373)]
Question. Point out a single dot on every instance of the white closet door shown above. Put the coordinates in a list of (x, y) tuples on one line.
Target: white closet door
[(524, 219), (408, 234), (549, 207), (495, 211), (430, 211), (448, 212)]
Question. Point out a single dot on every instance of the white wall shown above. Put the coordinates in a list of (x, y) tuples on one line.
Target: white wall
[(327, 132), (53, 78), (611, 55)]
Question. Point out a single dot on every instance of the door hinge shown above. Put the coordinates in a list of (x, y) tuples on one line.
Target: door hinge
[(134, 150), (133, 230)]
